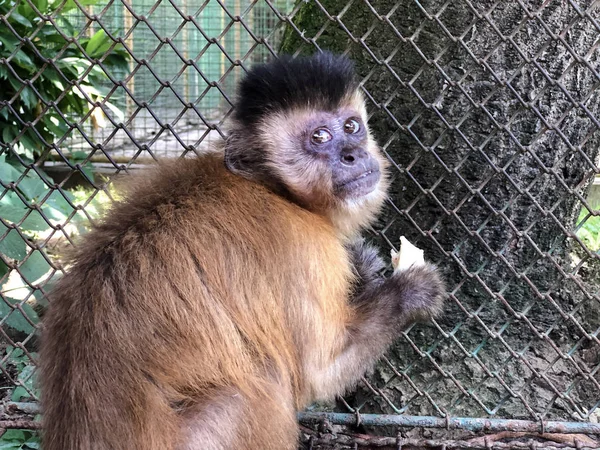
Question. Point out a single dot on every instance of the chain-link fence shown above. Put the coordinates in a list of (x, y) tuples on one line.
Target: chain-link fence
[(489, 112)]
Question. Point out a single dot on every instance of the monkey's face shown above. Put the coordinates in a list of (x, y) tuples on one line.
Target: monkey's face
[(340, 141), (325, 158)]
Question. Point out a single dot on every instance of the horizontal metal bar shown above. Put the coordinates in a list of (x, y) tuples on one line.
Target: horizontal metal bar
[(504, 440), (455, 423), (7, 408)]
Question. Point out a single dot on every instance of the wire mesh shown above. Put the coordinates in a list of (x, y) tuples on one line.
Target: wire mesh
[(488, 111)]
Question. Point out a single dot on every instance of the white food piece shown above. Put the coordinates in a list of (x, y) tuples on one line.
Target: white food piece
[(408, 256)]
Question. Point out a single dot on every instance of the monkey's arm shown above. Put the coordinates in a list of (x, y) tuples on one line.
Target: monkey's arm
[(383, 306)]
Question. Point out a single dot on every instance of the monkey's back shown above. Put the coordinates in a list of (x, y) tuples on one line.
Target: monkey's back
[(192, 282)]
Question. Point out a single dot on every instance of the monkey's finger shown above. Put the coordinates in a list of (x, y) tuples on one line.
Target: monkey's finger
[(395, 259)]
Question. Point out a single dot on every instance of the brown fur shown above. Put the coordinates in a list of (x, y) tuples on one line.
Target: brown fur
[(209, 308)]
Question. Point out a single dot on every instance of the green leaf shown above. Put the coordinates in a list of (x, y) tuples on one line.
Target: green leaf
[(6, 444), (49, 33), (101, 51), (14, 435), (34, 222), (27, 11), (67, 27), (23, 151), (19, 393), (17, 358), (57, 80), (24, 61), (49, 285), (16, 17), (60, 208), (98, 40), (16, 354), (41, 5), (54, 214), (76, 65), (16, 84), (12, 212), (32, 144), (15, 319), (90, 90), (29, 98), (118, 59), (96, 75), (4, 269), (55, 125), (26, 377), (9, 42), (8, 173), (35, 267), (33, 443), (32, 186), (12, 245), (8, 134), (79, 155), (19, 440)]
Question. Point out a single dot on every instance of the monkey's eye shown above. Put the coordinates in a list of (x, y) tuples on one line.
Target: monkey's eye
[(351, 126), (321, 135)]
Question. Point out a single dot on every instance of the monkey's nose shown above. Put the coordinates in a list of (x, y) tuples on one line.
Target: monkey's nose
[(351, 156)]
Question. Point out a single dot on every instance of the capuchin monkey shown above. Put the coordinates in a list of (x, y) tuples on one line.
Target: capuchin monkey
[(227, 292)]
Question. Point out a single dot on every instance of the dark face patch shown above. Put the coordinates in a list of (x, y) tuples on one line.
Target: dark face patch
[(340, 139)]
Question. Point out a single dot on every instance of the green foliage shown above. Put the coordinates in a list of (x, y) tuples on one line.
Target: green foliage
[(28, 80), (16, 358), (18, 361), (30, 208), (20, 440), (48, 80), (17, 245), (28, 212), (588, 230)]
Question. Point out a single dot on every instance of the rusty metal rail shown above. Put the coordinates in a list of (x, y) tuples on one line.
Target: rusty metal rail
[(452, 423)]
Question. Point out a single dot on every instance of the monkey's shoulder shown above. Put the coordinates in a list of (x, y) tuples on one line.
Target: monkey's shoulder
[(200, 197), (193, 188)]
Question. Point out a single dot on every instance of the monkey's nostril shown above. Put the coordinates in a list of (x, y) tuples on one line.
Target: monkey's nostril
[(348, 159)]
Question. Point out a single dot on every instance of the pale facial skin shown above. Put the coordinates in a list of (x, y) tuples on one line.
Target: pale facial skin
[(341, 139)]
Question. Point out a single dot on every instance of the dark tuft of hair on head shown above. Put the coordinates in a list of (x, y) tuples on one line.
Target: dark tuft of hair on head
[(319, 81)]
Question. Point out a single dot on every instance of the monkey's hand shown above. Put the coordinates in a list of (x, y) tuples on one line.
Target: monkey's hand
[(417, 291), (413, 292), (418, 284), (408, 256)]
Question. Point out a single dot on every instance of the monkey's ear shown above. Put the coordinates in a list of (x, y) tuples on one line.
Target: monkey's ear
[(249, 162), (242, 162)]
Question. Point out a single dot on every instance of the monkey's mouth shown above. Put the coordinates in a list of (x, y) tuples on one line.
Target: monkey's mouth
[(363, 184)]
